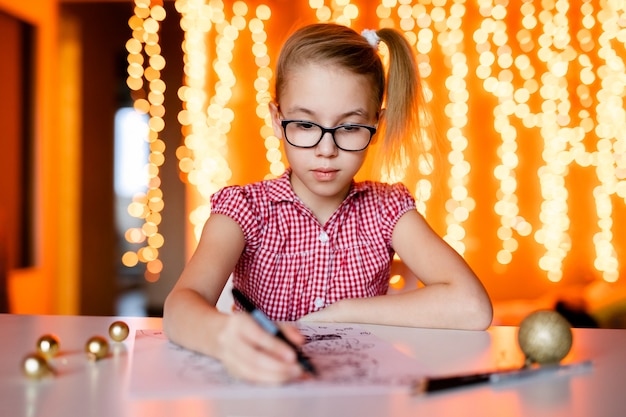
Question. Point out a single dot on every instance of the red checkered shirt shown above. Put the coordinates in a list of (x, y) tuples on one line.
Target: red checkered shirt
[(293, 265)]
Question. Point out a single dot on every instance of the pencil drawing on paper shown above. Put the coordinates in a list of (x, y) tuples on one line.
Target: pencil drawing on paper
[(344, 356), (339, 355)]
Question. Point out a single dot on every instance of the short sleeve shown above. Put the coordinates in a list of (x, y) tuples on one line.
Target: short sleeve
[(236, 203), (395, 200)]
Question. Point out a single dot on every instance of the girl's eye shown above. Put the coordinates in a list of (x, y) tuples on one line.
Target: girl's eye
[(351, 129), (305, 126)]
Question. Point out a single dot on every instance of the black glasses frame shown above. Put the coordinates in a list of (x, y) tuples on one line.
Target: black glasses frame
[(331, 130)]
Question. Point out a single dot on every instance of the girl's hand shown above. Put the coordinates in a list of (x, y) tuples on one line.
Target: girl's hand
[(250, 353)]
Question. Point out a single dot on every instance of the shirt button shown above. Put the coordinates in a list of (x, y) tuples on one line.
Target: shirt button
[(323, 237), (319, 302)]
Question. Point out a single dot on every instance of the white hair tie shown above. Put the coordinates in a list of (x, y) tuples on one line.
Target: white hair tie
[(372, 37)]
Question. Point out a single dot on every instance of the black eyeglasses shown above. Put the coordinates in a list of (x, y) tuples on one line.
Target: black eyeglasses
[(347, 137)]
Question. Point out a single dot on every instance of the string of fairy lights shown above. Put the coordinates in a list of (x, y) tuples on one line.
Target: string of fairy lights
[(496, 60), (142, 76), (559, 80), (447, 24), (609, 158), (196, 22)]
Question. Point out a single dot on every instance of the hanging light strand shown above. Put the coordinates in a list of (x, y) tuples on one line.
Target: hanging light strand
[(451, 40), (262, 86), (493, 32), (420, 34), (207, 119), (145, 24), (611, 145)]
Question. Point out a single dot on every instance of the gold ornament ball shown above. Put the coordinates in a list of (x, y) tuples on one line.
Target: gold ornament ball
[(118, 331), (35, 365), (97, 347), (545, 337), (48, 345)]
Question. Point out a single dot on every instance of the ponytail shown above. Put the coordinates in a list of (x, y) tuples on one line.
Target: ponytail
[(404, 104)]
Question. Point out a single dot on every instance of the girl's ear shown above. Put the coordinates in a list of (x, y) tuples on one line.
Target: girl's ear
[(275, 113)]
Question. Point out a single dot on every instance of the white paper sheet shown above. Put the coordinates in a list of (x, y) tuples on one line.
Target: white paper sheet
[(349, 360)]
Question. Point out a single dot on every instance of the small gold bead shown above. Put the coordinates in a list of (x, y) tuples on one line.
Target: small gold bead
[(118, 331), (48, 345), (35, 365), (96, 347)]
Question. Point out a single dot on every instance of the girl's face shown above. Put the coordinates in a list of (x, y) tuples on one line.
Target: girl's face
[(329, 96)]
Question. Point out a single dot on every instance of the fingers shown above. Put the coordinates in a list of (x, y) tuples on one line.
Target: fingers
[(292, 333), (248, 352)]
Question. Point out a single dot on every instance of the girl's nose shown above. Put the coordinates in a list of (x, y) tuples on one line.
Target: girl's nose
[(326, 147)]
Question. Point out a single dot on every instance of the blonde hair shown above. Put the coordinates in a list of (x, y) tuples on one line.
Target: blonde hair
[(398, 90)]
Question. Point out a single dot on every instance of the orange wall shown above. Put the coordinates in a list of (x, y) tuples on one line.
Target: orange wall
[(35, 290)]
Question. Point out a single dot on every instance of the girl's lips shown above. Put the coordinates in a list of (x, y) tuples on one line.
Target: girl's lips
[(325, 174)]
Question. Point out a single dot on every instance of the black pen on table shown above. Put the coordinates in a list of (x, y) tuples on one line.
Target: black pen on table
[(426, 385), (272, 328)]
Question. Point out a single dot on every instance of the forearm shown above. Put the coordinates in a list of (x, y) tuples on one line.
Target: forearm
[(434, 306), (190, 321)]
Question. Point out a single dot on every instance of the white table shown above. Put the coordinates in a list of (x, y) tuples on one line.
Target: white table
[(84, 389)]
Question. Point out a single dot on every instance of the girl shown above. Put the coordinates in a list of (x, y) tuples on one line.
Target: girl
[(314, 244)]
